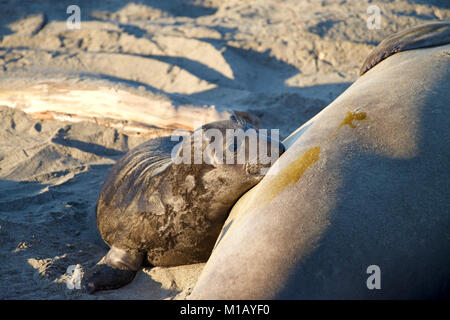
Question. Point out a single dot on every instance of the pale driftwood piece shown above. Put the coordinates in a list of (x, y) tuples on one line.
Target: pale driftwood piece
[(119, 108)]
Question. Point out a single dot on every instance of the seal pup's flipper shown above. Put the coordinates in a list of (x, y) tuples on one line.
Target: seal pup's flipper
[(115, 270), (423, 36)]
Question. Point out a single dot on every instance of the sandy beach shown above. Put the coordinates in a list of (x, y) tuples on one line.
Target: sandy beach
[(138, 70)]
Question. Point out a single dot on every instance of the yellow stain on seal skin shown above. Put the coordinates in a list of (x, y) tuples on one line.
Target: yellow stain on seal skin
[(348, 120), (267, 190), (290, 174), (359, 116)]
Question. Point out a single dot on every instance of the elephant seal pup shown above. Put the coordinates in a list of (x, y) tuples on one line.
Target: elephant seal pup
[(159, 206), (358, 205)]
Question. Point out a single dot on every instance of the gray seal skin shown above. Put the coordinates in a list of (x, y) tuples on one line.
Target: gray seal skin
[(364, 182), (168, 214)]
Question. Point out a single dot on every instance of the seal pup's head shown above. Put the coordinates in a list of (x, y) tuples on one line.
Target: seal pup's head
[(229, 157)]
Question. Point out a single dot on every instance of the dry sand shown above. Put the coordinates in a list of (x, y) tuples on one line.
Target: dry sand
[(281, 61)]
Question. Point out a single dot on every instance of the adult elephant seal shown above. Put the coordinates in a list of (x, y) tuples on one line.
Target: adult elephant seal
[(162, 204), (359, 204)]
